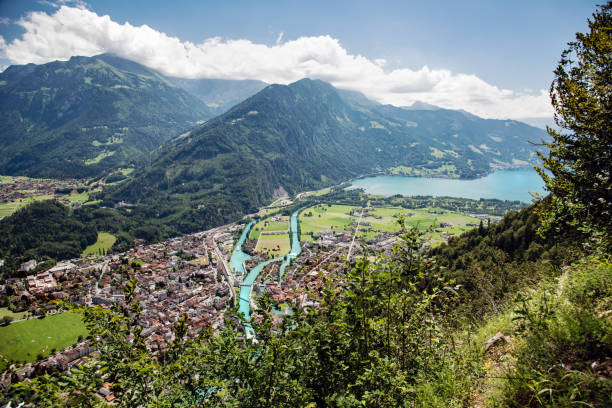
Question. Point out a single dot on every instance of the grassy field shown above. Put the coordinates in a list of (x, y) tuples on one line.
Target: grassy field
[(429, 220), (25, 340), (334, 218), (266, 211), (75, 197), (104, 243), (7, 209), (379, 220), (321, 192), (269, 226), (16, 316), (275, 245), (99, 157), (203, 261)]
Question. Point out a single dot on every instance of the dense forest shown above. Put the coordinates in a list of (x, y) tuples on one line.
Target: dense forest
[(45, 229), (492, 264), (49, 230)]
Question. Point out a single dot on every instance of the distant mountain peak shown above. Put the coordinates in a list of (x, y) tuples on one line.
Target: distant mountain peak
[(418, 105)]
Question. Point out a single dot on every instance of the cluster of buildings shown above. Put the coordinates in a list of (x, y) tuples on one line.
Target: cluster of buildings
[(183, 276), (187, 276), (62, 361), (19, 188)]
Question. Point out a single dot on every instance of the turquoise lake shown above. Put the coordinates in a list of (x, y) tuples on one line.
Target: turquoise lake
[(503, 185)]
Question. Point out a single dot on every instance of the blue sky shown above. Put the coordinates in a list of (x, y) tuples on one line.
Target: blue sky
[(493, 58)]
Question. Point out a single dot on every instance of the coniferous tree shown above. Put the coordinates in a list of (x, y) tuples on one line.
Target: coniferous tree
[(580, 155)]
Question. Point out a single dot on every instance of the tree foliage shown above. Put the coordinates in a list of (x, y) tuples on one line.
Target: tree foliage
[(43, 229), (580, 155), (376, 339)]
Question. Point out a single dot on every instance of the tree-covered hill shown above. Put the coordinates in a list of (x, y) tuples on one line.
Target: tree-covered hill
[(85, 116), (308, 135), (44, 229), (491, 264)]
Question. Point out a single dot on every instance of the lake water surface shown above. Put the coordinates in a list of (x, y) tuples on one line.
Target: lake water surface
[(503, 184)]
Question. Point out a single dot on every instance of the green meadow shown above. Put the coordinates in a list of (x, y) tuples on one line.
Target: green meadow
[(382, 219), (7, 209), (4, 311), (104, 243), (266, 225), (23, 341), (276, 245)]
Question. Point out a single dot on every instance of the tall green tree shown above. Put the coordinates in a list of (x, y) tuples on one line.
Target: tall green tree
[(580, 154)]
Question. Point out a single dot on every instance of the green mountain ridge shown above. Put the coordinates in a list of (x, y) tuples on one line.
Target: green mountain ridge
[(87, 116), (305, 136)]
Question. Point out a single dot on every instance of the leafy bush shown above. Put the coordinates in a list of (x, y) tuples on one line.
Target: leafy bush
[(566, 356)]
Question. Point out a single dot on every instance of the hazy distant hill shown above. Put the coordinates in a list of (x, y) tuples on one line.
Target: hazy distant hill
[(308, 135), (86, 115), (219, 95)]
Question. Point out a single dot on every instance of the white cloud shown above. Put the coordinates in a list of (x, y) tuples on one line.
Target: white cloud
[(78, 31), (5, 20), (381, 62), (2, 47)]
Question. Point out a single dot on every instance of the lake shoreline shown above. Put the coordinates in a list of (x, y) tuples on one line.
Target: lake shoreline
[(508, 185)]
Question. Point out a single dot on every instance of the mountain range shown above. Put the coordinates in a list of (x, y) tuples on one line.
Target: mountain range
[(308, 135), (88, 117)]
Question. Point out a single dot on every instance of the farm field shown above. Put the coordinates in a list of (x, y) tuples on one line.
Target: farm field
[(435, 222), (26, 339), (75, 197), (275, 245), (323, 217), (267, 225), (104, 243)]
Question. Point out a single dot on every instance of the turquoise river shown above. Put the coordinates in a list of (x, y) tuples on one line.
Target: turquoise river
[(239, 257), (504, 185)]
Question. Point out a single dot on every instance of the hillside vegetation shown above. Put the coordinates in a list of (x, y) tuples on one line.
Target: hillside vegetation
[(49, 230), (306, 136), (87, 116)]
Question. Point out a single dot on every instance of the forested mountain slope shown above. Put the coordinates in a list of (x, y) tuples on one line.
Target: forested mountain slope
[(307, 135), (85, 116)]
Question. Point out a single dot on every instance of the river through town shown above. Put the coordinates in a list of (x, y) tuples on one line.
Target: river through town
[(239, 257)]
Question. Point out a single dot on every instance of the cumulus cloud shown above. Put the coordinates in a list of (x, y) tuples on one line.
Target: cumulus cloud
[(77, 31)]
